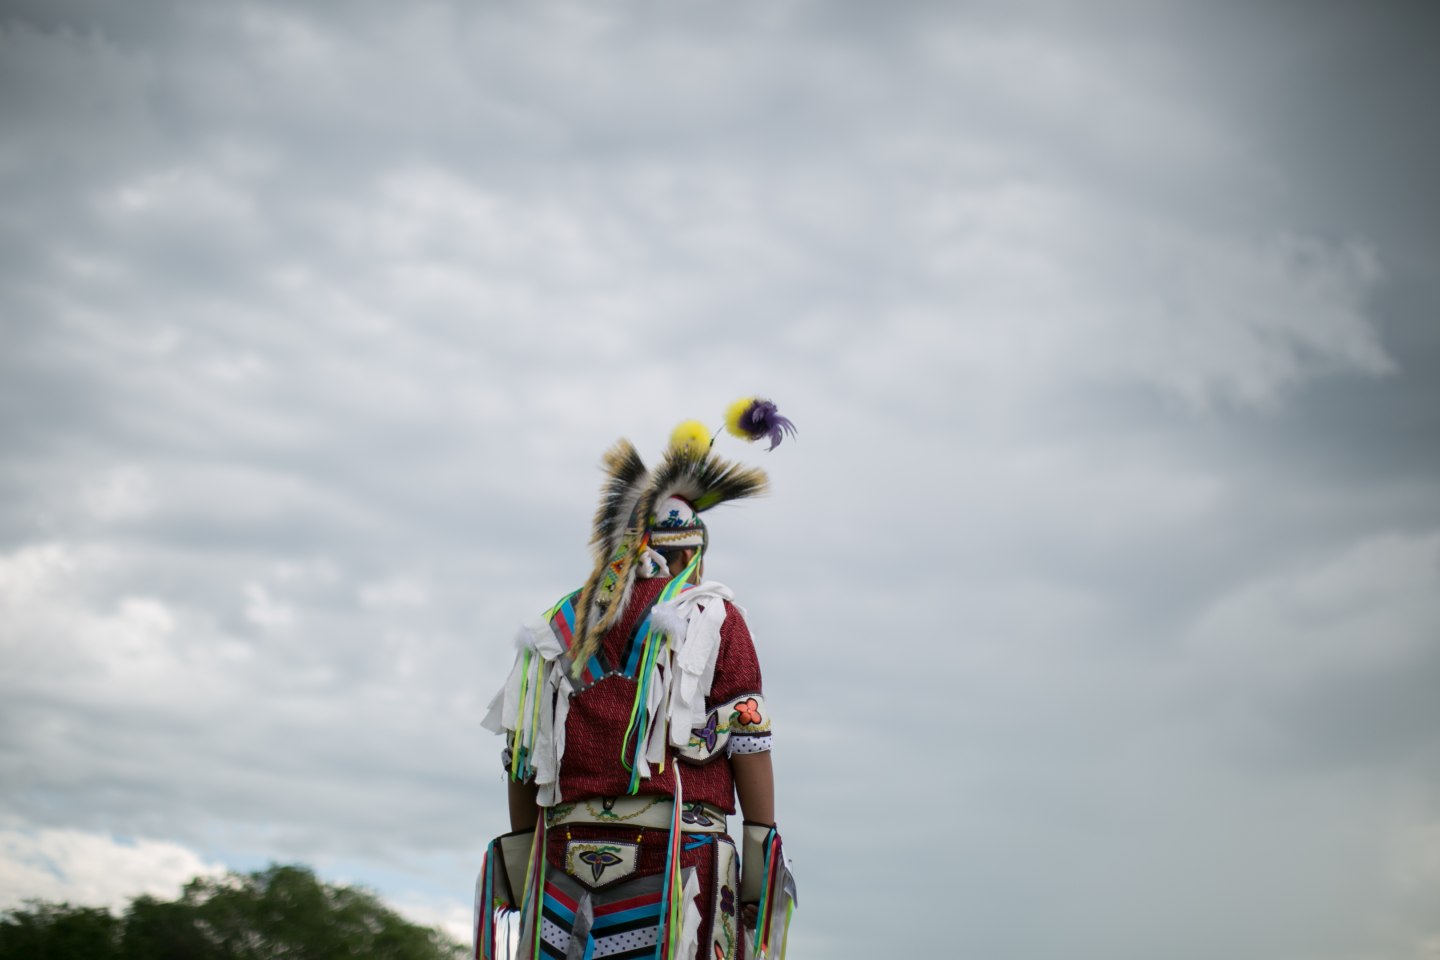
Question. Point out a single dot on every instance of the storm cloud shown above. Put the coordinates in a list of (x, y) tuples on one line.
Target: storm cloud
[(1097, 594)]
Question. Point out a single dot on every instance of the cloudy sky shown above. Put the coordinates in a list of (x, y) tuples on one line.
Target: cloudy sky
[(1097, 596)]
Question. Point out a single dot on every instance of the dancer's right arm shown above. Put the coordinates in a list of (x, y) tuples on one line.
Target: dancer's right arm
[(524, 811)]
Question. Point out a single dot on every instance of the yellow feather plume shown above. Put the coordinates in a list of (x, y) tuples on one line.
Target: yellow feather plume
[(691, 437), (733, 413)]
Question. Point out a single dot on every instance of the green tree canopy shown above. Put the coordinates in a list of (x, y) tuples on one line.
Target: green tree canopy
[(281, 913)]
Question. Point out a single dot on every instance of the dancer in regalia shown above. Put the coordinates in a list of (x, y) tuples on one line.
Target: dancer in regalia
[(634, 717)]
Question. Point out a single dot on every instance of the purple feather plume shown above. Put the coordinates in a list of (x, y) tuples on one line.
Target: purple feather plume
[(763, 419)]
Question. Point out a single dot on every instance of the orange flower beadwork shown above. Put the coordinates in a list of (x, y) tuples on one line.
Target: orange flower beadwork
[(748, 712)]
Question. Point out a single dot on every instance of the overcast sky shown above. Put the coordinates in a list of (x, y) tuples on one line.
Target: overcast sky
[(1097, 597)]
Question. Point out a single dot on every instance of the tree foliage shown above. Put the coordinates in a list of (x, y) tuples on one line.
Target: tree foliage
[(281, 913)]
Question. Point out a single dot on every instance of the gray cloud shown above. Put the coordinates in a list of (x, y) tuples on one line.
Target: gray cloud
[(1097, 590)]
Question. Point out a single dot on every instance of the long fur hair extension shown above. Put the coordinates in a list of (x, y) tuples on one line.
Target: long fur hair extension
[(625, 482)]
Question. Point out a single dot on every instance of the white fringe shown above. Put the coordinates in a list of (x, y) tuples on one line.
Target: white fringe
[(690, 922)]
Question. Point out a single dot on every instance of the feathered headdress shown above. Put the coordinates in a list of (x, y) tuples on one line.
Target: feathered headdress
[(625, 523), (702, 482)]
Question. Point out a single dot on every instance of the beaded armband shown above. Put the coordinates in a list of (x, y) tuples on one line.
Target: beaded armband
[(741, 725)]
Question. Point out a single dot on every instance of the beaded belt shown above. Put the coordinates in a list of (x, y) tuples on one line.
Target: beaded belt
[(656, 812)]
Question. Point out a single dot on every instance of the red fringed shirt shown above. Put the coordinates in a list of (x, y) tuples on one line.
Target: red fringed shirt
[(737, 718)]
